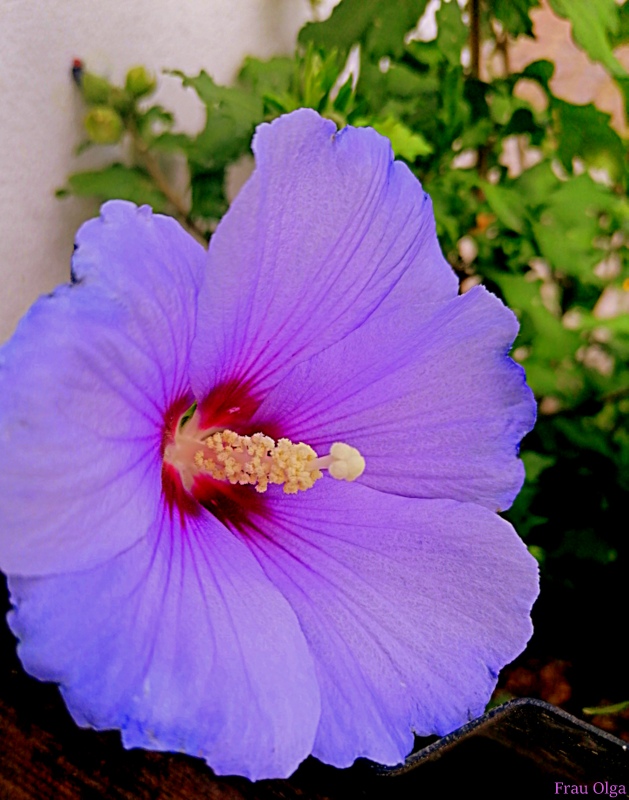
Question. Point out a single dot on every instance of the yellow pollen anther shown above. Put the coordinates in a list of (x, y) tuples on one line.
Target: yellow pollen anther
[(259, 460)]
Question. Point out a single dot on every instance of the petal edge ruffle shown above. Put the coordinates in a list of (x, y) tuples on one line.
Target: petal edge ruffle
[(410, 608), (326, 230), (183, 644), (85, 384)]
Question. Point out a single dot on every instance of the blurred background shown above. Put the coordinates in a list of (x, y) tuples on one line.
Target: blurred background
[(512, 114), (40, 124)]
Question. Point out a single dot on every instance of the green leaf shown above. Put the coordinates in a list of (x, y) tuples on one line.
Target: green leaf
[(407, 83), (454, 110), (623, 85), (501, 107), (155, 116), (585, 435), (452, 32), (476, 93), (380, 25), (621, 35), (618, 324), (587, 544), (172, 142), (551, 342), (402, 91), (514, 15), (507, 204), (118, 182), (523, 121), (319, 74), (232, 114), (404, 141), (535, 464), (593, 22), (426, 54), (343, 100), (538, 553), (585, 132), (568, 226), (617, 708), (455, 204), (188, 415), (475, 135), (208, 194), (541, 71), (541, 377), (536, 184), (274, 76)]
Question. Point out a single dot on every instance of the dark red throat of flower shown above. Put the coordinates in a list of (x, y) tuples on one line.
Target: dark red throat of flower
[(229, 406), (214, 459)]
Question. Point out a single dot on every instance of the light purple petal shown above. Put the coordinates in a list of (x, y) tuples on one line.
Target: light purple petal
[(84, 387), (410, 608), (327, 229), (437, 408), (184, 644)]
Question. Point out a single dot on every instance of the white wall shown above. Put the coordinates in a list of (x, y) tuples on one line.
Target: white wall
[(40, 110)]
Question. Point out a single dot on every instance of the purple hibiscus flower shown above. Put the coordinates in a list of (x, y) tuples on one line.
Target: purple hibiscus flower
[(194, 553)]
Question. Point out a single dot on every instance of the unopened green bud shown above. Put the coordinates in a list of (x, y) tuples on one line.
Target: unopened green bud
[(104, 125), (121, 100), (96, 90), (139, 82)]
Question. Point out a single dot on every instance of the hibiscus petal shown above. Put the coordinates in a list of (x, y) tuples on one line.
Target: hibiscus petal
[(184, 644), (84, 386), (437, 408), (326, 230), (410, 608)]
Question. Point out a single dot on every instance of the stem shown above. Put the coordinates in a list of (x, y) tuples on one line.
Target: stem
[(475, 37), (502, 46), (159, 179), (475, 71), (617, 394)]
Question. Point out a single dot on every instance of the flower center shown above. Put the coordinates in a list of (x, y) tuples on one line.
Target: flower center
[(256, 460)]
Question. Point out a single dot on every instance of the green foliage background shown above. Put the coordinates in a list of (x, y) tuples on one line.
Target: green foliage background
[(550, 240)]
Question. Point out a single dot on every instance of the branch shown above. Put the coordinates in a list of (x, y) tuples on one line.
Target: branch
[(154, 170), (475, 37)]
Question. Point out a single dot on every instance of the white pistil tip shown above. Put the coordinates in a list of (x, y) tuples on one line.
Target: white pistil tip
[(347, 462)]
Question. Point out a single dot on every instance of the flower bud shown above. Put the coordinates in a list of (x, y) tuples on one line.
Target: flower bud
[(96, 90), (104, 125), (139, 82)]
